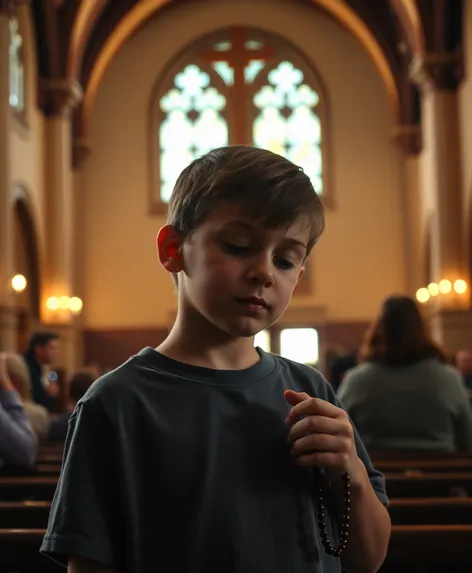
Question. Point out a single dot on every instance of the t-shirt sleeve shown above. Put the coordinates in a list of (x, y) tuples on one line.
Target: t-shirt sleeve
[(377, 479), (85, 512)]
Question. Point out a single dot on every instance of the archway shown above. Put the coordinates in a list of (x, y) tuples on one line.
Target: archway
[(26, 263)]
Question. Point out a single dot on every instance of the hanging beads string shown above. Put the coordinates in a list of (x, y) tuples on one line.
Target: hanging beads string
[(344, 532)]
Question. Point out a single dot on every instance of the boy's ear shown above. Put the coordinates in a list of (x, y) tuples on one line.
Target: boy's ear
[(168, 249)]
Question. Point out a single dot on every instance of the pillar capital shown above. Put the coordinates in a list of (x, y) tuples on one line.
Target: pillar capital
[(61, 95), (408, 137), (437, 71)]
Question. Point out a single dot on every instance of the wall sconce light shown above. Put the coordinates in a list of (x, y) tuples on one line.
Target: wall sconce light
[(65, 306), (445, 292), (19, 283)]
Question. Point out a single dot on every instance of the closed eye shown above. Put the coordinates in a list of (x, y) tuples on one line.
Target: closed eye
[(236, 249), (284, 264)]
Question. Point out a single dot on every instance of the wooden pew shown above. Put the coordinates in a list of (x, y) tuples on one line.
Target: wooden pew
[(46, 470), (425, 465), (392, 455), (430, 511), (432, 484), (441, 548), (24, 514), (19, 552), (27, 488), (49, 458)]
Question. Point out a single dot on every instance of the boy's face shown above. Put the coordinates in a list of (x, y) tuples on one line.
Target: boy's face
[(239, 275)]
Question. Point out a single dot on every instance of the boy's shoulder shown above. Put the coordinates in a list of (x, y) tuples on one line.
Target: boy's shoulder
[(115, 384), (303, 375)]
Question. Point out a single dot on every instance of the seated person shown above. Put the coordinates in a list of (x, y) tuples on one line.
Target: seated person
[(18, 445), (404, 396), (38, 416), (78, 386)]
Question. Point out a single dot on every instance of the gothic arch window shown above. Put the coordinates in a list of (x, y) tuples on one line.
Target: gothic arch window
[(237, 86), (17, 67)]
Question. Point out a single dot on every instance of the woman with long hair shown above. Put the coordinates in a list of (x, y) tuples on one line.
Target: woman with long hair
[(403, 395)]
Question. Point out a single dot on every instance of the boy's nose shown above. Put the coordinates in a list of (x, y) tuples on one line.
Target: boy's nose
[(261, 272)]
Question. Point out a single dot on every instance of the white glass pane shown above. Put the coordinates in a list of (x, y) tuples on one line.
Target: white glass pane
[(222, 46), (17, 81), (225, 71), (252, 69), (262, 339), (300, 345), (253, 45)]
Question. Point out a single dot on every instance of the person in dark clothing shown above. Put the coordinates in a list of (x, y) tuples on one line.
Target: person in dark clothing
[(42, 350), (339, 366), (78, 386)]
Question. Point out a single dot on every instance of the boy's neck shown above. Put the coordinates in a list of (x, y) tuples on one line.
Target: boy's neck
[(208, 347)]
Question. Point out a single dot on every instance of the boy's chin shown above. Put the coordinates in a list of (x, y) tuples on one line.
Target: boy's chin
[(248, 329)]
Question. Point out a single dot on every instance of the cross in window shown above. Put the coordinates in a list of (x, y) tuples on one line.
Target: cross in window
[(238, 57)]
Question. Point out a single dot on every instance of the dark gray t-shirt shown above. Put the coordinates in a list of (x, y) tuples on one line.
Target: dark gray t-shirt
[(178, 468)]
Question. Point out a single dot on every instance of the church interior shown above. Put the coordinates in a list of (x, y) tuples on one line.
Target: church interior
[(104, 102)]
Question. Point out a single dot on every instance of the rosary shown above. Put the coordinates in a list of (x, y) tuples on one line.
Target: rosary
[(344, 533)]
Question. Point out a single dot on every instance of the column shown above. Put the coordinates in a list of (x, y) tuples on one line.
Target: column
[(7, 315), (80, 152), (408, 137), (441, 183), (60, 225)]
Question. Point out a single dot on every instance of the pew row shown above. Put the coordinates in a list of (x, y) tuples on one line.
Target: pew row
[(421, 485), (30, 488)]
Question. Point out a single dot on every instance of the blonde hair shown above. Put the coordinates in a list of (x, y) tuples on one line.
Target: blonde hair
[(19, 373)]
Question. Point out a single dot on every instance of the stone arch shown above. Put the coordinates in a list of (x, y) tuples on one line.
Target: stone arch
[(26, 249), (139, 14)]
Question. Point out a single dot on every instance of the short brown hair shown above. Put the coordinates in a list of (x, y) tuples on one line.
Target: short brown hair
[(399, 337), (269, 187)]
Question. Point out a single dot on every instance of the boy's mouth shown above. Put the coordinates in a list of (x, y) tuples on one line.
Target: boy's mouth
[(253, 303)]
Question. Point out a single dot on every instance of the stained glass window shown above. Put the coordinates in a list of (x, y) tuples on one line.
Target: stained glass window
[(17, 72), (241, 86)]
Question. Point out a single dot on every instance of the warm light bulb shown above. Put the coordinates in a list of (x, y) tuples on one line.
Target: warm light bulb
[(75, 305), (422, 295), (18, 283), (460, 286), (64, 302), (445, 286), (52, 303), (433, 289)]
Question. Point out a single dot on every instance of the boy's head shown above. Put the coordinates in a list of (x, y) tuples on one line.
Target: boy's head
[(241, 222)]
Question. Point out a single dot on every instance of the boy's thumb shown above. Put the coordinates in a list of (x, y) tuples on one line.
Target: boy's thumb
[(294, 398)]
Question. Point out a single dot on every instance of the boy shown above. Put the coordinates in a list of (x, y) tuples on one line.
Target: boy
[(203, 455)]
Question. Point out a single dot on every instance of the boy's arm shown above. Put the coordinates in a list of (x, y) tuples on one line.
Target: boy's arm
[(369, 527), (86, 514), (82, 565)]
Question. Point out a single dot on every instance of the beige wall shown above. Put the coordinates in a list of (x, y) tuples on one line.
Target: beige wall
[(465, 116), (27, 142), (360, 259)]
